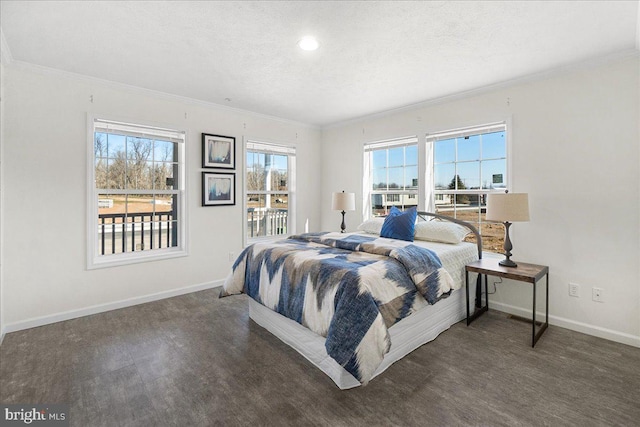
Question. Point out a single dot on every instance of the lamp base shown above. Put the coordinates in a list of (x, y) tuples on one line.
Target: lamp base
[(507, 248), (507, 263)]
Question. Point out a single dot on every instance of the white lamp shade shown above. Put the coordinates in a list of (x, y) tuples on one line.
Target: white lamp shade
[(343, 201), (510, 207)]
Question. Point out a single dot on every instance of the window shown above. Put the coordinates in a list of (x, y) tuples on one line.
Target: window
[(136, 200), (468, 164), (391, 175), (270, 185)]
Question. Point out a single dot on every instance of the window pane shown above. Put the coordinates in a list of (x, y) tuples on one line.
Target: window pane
[(492, 235), (163, 231), (444, 175), (469, 148), (409, 200), (444, 151), (379, 159), (256, 175), (396, 156), (111, 223), (279, 201), (445, 206), (494, 174), (396, 178), (115, 146), (379, 179), (100, 144), (163, 176), (411, 155), (116, 170), (165, 151), (163, 205), (377, 205), (392, 199), (278, 180), (101, 172), (139, 214), (255, 201), (139, 205), (139, 175), (255, 215), (494, 145), (277, 216), (411, 177), (279, 162), (469, 174)]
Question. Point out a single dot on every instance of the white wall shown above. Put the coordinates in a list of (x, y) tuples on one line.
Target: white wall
[(1, 190), (575, 150), (44, 209)]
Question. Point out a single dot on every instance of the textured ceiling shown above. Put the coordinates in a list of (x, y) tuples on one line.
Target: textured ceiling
[(373, 56)]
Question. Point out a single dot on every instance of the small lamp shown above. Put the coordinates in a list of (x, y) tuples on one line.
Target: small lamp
[(507, 208), (343, 202)]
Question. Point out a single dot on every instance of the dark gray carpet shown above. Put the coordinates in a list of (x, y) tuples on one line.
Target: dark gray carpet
[(199, 360)]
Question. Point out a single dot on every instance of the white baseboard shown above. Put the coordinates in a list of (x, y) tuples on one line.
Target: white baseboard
[(100, 308), (573, 325)]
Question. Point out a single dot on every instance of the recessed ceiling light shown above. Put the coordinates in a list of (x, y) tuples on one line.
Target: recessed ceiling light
[(308, 43)]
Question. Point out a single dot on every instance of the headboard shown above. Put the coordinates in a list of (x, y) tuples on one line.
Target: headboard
[(474, 230)]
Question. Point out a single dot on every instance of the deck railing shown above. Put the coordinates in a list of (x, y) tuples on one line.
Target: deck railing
[(119, 232), (266, 222)]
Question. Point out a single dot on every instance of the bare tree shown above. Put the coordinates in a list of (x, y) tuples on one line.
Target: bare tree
[(256, 176), (100, 152)]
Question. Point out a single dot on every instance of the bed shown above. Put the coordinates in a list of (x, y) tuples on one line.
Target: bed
[(355, 303)]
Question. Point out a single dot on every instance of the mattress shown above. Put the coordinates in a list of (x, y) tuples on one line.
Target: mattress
[(406, 335)]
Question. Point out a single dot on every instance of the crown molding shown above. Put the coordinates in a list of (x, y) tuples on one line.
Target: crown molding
[(542, 75), (5, 52), (27, 66)]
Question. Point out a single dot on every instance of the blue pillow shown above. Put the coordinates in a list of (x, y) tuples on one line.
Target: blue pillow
[(400, 225)]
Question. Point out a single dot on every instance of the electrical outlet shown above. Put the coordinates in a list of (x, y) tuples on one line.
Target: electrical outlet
[(232, 256), (598, 294), (574, 290)]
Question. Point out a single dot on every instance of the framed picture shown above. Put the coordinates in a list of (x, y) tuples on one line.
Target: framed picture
[(218, 189), (218, 151)]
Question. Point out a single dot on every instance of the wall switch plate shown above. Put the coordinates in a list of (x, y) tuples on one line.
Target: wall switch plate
[(598, 294), (232, 256), (574, 290)]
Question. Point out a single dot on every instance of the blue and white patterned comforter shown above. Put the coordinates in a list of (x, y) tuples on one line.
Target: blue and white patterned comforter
[(348, 288)]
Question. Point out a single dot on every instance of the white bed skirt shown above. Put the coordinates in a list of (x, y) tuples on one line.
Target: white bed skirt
[(406, 335)]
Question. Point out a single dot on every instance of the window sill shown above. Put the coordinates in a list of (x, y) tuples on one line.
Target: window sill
[(252, 240), (134, 258)]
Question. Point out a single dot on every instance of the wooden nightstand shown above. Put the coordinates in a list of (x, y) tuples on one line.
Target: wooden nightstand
[(529, 273)]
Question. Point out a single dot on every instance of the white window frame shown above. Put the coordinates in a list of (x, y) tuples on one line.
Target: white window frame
[(94, 259), (368, 190), (270, 147), (469, 131)]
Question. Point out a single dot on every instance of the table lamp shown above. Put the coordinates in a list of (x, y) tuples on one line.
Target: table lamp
[(507, 208), (343, 202)]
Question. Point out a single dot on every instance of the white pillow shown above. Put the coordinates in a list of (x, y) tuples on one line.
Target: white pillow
[(372, 226), (440, 231)]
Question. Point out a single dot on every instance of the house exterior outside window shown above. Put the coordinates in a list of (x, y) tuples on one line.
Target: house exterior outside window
[(391, 175), (467, 165), (269, 189)]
